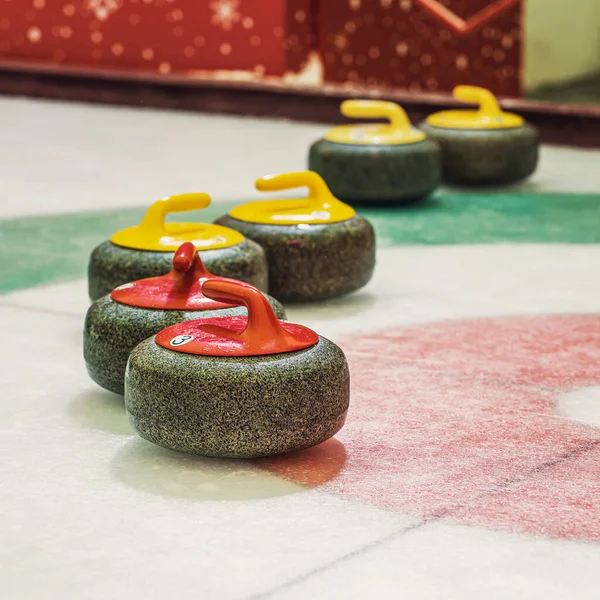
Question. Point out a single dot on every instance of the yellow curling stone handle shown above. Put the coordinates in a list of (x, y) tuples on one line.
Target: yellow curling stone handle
[(489, 115), (319, 207), (153, 234), (398, 130)]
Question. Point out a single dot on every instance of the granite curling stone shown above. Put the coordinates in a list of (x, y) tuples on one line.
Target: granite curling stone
[(237, 387), (385, 164), (119, 321), (146, 250), (316, 247), (485, 146)]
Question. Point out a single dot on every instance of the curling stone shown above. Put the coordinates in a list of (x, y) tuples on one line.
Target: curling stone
[(485, 146), (392, 163), (146, 250), (316, 247), (237, 387), (117, 322)]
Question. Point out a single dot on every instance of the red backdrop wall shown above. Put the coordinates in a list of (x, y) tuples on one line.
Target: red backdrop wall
[(407, 44)]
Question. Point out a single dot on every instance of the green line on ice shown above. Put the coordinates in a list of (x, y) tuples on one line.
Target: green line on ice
[(54, 248)]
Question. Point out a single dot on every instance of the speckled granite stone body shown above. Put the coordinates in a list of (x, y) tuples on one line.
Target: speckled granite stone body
[(237, 407), (362, 175), (313, 262), (486, 157), (112, 330), (111, 266)]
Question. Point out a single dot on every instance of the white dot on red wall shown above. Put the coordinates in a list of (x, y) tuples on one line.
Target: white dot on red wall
[(117, 49), (34, 35), (350, 26), (300, 16), (66, 32), (405, 5), (96, 37), (225, 49), (462, 62), (147, 54), (492, 33), (507, 42), (247, 22), (259, 69), (374, 52), (278, 32), (354, 5), (39, 4), (164, 68), (401, 49)]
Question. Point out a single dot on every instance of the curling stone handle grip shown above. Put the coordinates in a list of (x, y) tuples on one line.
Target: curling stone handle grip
[(377, 109), (262, 322), (488, 105), (154, 219), (187, 262), (318, 192), (183, 259)]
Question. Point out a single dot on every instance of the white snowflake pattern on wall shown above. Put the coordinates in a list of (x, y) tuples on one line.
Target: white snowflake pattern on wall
[(225, 13), (102, 9)]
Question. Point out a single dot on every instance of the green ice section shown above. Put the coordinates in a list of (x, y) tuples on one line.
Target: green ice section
[(54, 248)]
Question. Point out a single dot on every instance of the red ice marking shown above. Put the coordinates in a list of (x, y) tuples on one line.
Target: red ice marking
[(457, 420)]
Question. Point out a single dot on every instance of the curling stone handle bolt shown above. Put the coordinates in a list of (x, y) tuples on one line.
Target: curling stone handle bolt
[(488, 105), (154, 219), (318, 197), (377, 109)]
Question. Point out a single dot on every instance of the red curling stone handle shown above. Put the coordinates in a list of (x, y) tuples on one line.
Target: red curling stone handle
[(183, 259), (260, 333)]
